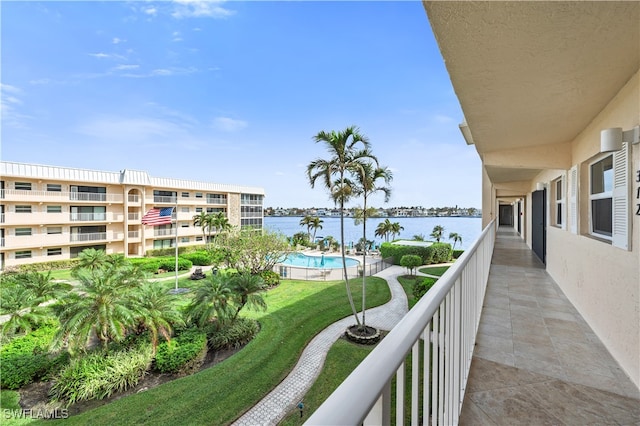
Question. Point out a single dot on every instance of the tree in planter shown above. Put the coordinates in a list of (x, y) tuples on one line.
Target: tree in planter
[(457, 238), (437, 233), (348, 150), (367, 178), (411, 262)]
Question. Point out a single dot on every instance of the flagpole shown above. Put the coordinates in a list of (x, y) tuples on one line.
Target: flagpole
[(176, 209)]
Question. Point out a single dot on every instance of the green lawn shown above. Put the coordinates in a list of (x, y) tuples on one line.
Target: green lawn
[(434, 270), (298, 310)]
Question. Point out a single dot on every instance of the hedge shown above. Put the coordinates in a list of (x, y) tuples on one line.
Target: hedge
[(184, 352), (435, 253), (26, 359), (421, 287), (235, 335), (152, 265), (171, 251), (199, 258)]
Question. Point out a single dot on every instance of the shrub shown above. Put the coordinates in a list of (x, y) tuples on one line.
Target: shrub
[(440, 253), (170, 251), (26, 359), (169, 264), (421, 287), (410, 261), (185, 352), (199, 258), (234, 335), (270, 278), (46, 266), (97, 375), (150, 265)]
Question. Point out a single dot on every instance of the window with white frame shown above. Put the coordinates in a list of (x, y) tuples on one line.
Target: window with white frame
[(54, 230), (54, 209), (558, 204), (23, 186), (23, 232), (23, 209), (54, 251), (185, 210), (601, 197), (54, 187), (23, 254)]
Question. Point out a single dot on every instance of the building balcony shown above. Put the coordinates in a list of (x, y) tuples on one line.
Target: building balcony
[(19, 195), (164, 232), (517, 353), (96, 236), (133, 216), (160, 199)]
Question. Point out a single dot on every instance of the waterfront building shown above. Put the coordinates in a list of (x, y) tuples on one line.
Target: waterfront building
[(53, 213)]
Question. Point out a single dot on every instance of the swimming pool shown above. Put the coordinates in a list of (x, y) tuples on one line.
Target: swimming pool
[(325, 262)]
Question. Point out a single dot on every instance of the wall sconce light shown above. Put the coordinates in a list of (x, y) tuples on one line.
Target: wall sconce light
[(612, 139), (539, 186)]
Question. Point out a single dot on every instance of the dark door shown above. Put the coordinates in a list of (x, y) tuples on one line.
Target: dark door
[(539, 224), (505, 213), (519, 217)]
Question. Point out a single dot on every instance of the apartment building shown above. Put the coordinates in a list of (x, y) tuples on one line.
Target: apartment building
[(53, 213)]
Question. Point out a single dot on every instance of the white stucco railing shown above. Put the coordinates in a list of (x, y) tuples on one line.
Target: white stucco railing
[(440, 332)]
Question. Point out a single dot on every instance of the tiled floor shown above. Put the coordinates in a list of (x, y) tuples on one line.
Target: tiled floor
[(536, 360)]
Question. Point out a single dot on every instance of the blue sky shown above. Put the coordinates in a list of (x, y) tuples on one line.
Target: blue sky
[(233, 92)]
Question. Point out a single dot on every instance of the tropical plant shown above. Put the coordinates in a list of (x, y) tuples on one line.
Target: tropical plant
[(253, 252), (457, 238), (437, 233), (384, 229), (202, 220), (367, 178), (411, 262), (212, 301), (221, 223), (103, 306), (307, 221), (155, 311), (248, 291), (316, 223), (347, 150), (418, 237), (18, 302), (44, 287), (396, 228), (91, 259)]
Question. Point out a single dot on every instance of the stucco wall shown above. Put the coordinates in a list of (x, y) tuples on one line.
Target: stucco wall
[(602, 281)]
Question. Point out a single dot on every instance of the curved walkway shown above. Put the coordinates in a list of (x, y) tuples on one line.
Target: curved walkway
[(284, 398)]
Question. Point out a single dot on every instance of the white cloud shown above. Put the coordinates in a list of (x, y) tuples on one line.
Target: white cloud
[(117, 40), (200, 9), (9, 89), (227, 124), (126, 67), (102, 55), (40, 81), (151, 11), (176, 36), (8, 104)]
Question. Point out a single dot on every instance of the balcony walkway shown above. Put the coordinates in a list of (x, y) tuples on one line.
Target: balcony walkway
[(536, 360)]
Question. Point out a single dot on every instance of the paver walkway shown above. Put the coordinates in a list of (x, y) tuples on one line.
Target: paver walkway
[(284, 398)]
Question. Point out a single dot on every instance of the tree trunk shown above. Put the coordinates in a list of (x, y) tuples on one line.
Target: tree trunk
[(364, 261), (344, 264)]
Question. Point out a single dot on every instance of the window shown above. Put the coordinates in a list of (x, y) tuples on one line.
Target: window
[(198, 238), (185, 210), (198, 194), (159, 244), (54, 187), (23, 209), (184, 224), (23, 232), (54, 251), (185, 195), (557, 203), (23, 186), (198, 209), (54, 230), (601, 197), (54, 209), (216, 199), (23, 254), (184, 239), (253, 199)]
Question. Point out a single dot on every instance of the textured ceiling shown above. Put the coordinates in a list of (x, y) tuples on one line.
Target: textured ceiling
[(535, 73)]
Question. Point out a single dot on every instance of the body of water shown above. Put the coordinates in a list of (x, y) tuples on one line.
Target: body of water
[(469, 228), (327, 262)]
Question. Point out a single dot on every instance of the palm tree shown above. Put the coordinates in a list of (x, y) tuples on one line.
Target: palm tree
[(308, 222), (43, 287), (367, 177), (347, 150), (155, 311), (102, 307), (457, 238), (248, 291), (437, 233), (18, 301), (221, 223), (396, 229), (201, 221), (384, 229), (212, 301), (91, 259), (316, 223)]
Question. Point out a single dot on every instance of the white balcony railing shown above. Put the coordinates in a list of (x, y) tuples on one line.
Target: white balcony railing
[(87, 217), (133, 198), (134, 234), (163, 232), (445, 322), (133, 216), (164, 199), (53, 196), (93, 236)]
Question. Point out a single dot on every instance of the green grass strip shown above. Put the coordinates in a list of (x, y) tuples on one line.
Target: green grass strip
[(298, 310), (434, 270)]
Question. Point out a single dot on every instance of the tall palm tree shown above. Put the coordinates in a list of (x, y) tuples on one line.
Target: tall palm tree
[(384, 229), (396, 228), (457, 238), (437, 233), (347, 150), (201, 221), (316, 223), (221, 223), (367, 177), (212, 301), (307, 221), (248, 289), (155, 311)]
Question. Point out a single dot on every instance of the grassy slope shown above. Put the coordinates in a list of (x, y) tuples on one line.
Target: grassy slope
[(297, 311)]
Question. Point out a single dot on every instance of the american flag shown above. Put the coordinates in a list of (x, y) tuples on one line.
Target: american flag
[(157, 216)]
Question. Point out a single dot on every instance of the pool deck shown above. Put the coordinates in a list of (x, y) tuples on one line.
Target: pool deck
[(327, 274)]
